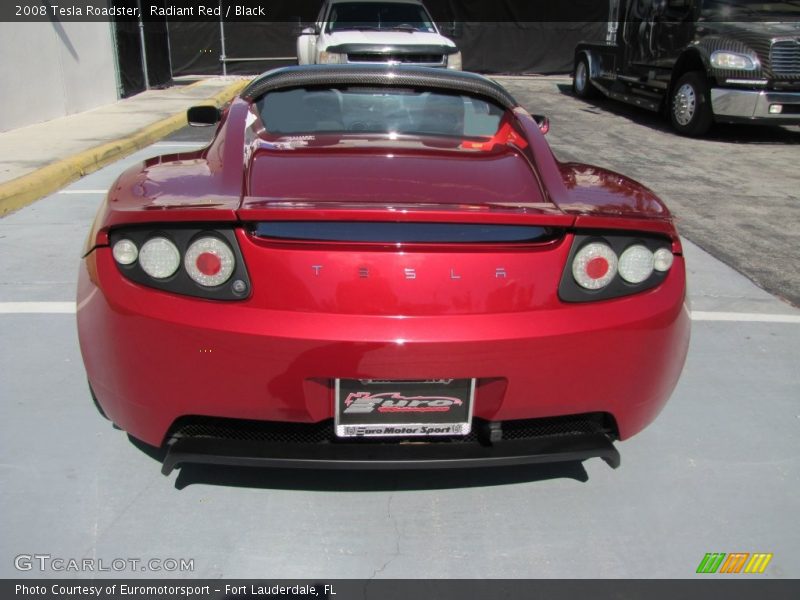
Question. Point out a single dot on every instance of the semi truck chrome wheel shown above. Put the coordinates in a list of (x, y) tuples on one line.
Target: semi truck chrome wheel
[(684, 104), (690, 107), (581, 84)]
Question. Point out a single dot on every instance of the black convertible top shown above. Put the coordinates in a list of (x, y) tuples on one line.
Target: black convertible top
[(395, 75)]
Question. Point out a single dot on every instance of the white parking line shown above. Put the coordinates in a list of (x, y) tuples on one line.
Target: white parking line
[(37, 308), (63, 308), (83, 191), (179, 144), (699, 315)]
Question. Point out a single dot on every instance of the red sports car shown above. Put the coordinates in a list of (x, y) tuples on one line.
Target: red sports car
[(380, 267)]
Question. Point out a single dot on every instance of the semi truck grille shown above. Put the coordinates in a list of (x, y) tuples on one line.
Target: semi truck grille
[(784, 58)]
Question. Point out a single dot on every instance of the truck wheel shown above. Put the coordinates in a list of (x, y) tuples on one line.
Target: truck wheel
[(581, 82), (690, 105)]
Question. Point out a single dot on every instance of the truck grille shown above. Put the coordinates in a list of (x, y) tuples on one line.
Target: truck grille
[(784, 58), (417, 59)]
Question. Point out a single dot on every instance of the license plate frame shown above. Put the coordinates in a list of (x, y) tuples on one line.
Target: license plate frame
[(418, 408)]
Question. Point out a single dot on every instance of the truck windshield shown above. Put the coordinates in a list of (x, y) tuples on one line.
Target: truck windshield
[(379, 16), (393, 111), (734, 10)]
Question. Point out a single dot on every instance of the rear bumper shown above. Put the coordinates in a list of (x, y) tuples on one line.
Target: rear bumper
[(154, 357), (753, 106)]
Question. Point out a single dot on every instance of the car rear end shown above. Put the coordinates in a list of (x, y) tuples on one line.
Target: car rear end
[(421, 301)]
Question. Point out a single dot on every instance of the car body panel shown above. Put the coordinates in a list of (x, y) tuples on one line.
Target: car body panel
[(395, 175), (185, 356)]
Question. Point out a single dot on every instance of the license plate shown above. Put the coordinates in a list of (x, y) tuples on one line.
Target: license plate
[(419, 408)]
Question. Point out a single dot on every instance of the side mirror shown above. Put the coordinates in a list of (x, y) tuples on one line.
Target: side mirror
[(452, 29), (203, 116), (543, 123), (305, 29)]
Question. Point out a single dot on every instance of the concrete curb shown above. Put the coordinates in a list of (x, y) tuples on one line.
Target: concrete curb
[(25, 190)]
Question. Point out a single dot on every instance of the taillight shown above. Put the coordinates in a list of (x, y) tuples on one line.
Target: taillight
[(209, 261), (213, 266), (610, 265), (662, 259), (594, 266), (636, 264), (159, 258), (125, 252)]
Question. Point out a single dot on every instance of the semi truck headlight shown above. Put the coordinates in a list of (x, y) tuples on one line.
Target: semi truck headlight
[(732, 60)]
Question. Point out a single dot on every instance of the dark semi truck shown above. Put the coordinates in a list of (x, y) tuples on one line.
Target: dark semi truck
[(699, 61)]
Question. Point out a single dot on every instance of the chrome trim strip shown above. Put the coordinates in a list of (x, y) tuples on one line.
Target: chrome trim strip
[(751, 104)]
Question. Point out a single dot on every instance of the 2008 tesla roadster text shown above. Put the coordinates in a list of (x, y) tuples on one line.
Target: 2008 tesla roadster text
[(380, 267)]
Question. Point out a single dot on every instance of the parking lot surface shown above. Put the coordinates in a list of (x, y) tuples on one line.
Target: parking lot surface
[(718, 471)]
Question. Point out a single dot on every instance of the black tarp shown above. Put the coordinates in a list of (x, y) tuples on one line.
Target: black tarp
[(195, 47), (502, 36), (129, 57), (128, 38), (156, 43)]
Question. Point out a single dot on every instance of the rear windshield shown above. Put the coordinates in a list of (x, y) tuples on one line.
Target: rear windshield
[(378, 111)]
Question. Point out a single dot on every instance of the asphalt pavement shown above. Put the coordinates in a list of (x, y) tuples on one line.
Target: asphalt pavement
[(718, 471)]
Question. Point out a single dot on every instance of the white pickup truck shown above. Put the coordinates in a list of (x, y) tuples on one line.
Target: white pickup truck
[(376, 32)]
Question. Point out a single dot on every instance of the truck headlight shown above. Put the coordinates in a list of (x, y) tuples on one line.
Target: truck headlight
[(732, 60), (332, 58), (454, 61)]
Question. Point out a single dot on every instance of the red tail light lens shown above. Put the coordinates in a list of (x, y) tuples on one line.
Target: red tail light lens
[(209, 261), (594, 266)]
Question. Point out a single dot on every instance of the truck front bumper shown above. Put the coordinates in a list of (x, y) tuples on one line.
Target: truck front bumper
[(732, 105)]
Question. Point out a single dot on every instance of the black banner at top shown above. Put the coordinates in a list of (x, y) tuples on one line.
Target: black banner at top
[(304, 11), (471, 11)]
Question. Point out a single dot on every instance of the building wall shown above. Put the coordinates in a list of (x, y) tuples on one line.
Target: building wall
[(53, 69)]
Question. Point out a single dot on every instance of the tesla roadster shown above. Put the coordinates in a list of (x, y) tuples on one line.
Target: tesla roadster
[(379, 267)]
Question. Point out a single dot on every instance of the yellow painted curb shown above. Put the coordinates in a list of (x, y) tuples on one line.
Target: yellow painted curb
[(25, 190)]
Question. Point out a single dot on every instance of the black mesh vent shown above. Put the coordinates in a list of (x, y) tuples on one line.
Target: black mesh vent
[(556, 426), (260, 431), (323, 432)]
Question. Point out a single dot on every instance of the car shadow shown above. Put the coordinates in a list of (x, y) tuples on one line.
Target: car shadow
[(721, 132)]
